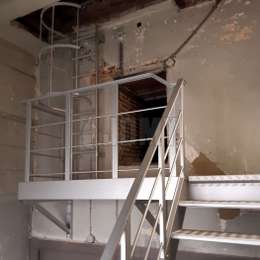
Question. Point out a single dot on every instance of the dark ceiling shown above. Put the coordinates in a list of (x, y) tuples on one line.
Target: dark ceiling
[(92, 11)]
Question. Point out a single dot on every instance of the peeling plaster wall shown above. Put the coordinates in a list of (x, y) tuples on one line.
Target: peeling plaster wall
[(16, 84), (220, 65)]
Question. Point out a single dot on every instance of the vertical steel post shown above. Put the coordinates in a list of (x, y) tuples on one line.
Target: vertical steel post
[(69, 218), (52, 50), (77, 52), (170, 129), (97, 96), (115, 132), (125, 243), (123, 254), (28, 141), (68, 137), (182, 132), (162, 201)]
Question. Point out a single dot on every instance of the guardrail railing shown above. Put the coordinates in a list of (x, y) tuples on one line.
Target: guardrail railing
[(59, 133)]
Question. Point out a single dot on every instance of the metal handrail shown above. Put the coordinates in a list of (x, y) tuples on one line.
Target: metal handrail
[(102, 86), (125, 213)]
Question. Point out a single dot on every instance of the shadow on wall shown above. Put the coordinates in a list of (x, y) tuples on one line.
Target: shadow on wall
[(203, 166)]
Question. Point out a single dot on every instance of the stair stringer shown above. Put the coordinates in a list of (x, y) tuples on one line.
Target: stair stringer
[(176, 216)]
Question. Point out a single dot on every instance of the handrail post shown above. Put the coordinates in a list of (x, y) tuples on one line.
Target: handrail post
[(28, 141), (68, 138), (114, 132), (182, 149), (162, 199)]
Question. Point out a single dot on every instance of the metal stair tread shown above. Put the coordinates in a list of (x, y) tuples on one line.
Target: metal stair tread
[(217, 237), (224, 178), (220, 204)]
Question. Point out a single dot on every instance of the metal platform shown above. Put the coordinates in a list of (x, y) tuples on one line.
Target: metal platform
[(102, 189), (217, 237)]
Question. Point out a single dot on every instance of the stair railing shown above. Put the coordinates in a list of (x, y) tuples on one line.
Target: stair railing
[(169, 132)]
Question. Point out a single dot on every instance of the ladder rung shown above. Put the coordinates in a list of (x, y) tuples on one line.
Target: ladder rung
[(221, 204), (218, 237)]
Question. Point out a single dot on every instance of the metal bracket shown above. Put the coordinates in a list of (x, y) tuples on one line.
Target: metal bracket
[(149, 217), (53, 219)]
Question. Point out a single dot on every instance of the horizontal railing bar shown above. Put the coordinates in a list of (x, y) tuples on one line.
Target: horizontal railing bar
[(88, 150), (141, 110), (105, 85), (131, 198), (91, 145), (172, 135), (153, 232), (48, 124), (139, 229), (174, 162), (49, 135), (92, 172), (135, 140), (119, 114), (47, 155), (48, 149), (119, 142), (49, 110), (110, 171), (99, 117), (46, 175)]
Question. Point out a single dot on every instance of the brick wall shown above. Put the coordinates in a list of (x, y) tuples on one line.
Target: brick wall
[(129, 128)]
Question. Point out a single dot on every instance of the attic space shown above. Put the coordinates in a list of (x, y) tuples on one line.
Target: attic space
[(129, 130)]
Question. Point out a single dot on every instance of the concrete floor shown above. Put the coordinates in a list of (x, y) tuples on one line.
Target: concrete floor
[(53, 250)]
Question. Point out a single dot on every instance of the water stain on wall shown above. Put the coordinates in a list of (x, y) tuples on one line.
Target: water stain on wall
[(203, 166)]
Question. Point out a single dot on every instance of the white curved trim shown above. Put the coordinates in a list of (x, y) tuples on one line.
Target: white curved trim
[(70, 46), (54, 5)]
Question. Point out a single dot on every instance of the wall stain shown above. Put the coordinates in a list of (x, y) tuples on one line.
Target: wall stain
[(203, 166), (233, 32)]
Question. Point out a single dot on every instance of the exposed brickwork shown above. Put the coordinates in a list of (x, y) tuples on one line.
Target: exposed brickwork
[(129, 128)]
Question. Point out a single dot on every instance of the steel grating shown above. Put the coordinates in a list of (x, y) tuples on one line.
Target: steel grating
[(217, 237)]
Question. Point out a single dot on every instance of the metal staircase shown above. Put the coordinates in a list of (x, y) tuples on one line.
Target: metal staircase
[(217, 193), (168, 141), (161, 199), (221, 192)]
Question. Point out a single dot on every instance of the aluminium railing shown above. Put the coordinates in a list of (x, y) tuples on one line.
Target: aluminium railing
[(64, 149), (164, 218)]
